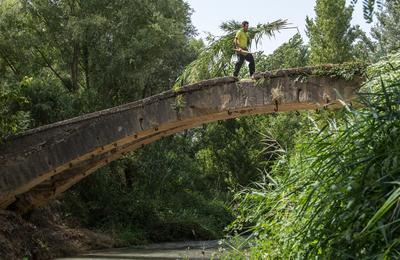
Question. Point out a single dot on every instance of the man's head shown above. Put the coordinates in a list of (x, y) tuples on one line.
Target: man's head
[(245, 25)]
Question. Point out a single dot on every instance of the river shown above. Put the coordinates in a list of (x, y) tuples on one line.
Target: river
[(169, 250)]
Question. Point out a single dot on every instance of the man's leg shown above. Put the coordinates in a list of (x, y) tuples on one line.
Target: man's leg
[(238, 64), (252, 66)]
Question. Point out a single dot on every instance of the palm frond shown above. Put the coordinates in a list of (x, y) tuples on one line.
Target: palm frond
[(215, 60), (230, 26), (369, 7)]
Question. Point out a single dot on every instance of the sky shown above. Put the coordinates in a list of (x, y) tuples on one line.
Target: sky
[(209, 14)]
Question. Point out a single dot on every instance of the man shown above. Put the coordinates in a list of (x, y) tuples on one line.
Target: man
[(242, 41)]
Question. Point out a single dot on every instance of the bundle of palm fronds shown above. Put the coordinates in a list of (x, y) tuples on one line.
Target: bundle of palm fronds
[(215, 59)]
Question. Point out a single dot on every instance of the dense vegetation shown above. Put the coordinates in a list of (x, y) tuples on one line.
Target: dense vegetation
[(335, 194), (304, 185)]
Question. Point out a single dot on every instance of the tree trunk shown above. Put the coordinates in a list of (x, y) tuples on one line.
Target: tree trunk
[(75, 66), (86, 64), (10, 64), (66, 82)]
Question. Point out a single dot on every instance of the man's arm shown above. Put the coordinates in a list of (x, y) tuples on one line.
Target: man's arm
[(237, 45), (236, 41)]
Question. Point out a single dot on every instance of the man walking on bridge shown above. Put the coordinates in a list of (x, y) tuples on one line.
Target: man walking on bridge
[(242, 42)]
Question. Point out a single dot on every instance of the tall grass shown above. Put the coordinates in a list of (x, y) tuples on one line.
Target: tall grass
[(336, 195)]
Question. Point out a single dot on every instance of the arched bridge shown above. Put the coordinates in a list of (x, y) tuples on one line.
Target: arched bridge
[(40, 164)]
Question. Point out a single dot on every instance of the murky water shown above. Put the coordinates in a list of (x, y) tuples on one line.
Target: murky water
[(170, 250)]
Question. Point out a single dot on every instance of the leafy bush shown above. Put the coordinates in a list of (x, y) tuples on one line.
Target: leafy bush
[(156, 194), (336, 195), (12, 119)]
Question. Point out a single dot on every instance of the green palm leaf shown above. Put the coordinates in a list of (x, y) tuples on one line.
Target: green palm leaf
[(214, 61), (369, 7)]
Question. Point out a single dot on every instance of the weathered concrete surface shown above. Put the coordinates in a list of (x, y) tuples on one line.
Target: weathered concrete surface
[(40, 164)]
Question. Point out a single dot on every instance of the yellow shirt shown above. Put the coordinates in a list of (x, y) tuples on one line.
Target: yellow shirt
[(243, 38)]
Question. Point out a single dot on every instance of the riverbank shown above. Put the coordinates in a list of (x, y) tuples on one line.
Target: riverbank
[(45, 235)]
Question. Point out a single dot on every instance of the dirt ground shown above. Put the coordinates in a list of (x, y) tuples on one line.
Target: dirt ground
[(45, 235)]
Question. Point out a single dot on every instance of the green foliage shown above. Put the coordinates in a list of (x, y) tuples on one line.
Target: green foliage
[(229, 151), (49, 101), (234, 149), (336, 194), (330, 33), (364, 49), (291, 54), (333, 40), (179, 103), (159, 193), (11, 99), (387, 31), (346, 70), (103, 53)]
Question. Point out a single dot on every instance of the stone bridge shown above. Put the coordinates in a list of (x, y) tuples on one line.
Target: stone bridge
[(41, 163)]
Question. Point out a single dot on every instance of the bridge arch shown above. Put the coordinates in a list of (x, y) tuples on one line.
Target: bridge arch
[(38, 165)]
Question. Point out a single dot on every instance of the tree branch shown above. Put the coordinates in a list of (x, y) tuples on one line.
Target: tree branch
[(9, 63), (48, 64)]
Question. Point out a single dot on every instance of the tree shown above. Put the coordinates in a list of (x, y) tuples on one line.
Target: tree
[(330, 33), (11, 97), (387, 31), (12, 73), (84, 56), (291, 54)]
